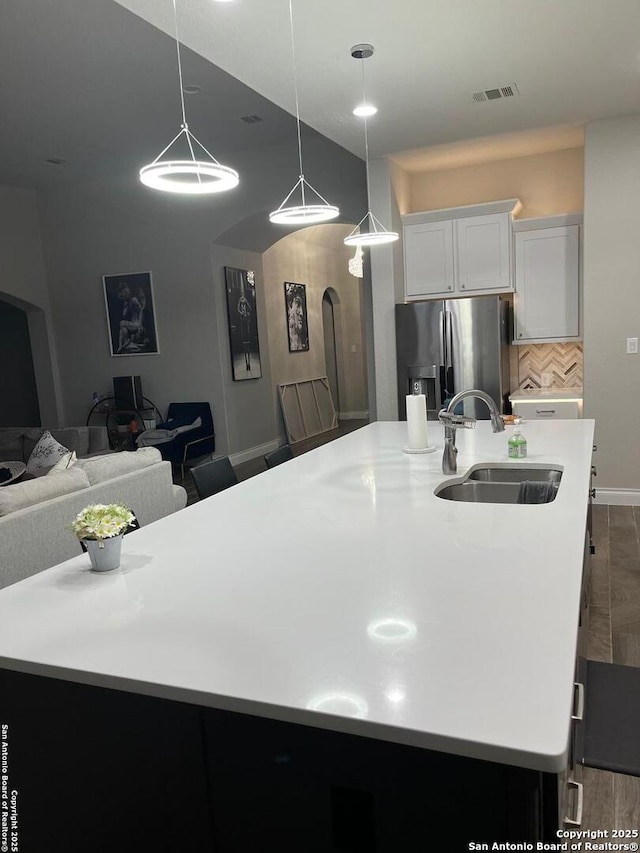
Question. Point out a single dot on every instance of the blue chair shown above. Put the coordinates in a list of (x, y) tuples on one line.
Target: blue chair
[(193, 443)]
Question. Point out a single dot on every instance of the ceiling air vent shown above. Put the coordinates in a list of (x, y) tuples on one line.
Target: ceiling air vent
[(251, 119), (508, 91)]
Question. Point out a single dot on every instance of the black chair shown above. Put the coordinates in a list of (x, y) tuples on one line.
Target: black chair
[(192, 443), (213, 477), (277, 457)]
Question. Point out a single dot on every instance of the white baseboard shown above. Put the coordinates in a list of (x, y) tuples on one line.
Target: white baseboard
[(254, 452), (618, 497), (352, 416)]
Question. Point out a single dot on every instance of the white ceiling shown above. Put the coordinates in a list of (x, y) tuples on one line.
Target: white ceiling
[(573, 60)]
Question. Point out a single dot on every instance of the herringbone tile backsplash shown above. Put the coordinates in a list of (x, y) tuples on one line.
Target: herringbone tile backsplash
[(563, 363)]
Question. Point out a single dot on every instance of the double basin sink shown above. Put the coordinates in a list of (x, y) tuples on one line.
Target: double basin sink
[(503, 484)]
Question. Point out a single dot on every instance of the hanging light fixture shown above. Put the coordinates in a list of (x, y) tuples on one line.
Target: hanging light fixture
[(375, 233), (196, 176), (314, 207), (355, 263)]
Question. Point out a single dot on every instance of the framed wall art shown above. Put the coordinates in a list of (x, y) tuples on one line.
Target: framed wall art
[(295, 296), (131, 314), (243, 323)]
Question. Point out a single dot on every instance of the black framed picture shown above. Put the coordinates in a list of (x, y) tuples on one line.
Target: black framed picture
[(131, 314), (243, 323), (295, 296)]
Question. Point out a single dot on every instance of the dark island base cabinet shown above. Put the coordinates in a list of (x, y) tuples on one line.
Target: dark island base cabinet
[(103, 770)]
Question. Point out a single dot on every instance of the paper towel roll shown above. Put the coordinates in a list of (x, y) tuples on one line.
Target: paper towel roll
[(417, 421)]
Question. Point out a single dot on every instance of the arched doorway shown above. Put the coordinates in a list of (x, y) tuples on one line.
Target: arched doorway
[(332, 329), (18, 390)]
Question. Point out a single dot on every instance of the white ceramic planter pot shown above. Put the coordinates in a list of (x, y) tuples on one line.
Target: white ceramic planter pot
[(104, 553)]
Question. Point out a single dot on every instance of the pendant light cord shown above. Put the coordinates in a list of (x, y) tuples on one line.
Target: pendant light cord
[(366, 137), (295, 87), (185, 126), (175, 22)]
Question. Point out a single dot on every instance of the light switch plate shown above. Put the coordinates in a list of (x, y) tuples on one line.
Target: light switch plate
[(632, 346)]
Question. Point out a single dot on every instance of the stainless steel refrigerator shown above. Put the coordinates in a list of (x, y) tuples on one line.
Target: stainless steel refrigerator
[(453, 345)]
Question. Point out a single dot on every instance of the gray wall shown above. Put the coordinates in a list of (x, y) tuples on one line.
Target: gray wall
[(23, 284), (249, 421), (92, 229), (387, 285), (317, 258), (22, 272), (612, 298)]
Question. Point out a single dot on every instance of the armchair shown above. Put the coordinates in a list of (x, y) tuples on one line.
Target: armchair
[(193, 443)]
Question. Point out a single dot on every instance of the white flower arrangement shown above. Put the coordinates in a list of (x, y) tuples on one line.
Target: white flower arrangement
[(102, 521)]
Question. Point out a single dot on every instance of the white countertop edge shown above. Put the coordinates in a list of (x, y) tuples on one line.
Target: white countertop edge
[(495, 753)]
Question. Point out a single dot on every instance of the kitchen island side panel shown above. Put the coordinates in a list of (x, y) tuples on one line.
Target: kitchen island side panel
[(103, 770)]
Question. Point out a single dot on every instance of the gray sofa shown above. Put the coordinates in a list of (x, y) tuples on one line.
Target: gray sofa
[(16, 443), (35, 514)]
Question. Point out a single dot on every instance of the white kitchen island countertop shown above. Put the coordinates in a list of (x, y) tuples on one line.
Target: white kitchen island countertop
[(337, 591)]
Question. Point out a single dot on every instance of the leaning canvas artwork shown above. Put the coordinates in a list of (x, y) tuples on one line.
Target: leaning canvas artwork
[(243, 323), (130, 314), (295, 296)]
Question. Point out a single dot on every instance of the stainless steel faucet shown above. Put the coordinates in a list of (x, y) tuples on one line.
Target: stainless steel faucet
[(452, 421)]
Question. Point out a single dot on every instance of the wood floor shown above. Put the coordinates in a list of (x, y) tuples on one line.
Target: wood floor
[(611, 800)]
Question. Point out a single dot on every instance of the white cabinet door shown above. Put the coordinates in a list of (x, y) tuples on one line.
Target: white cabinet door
[(428, 257), (547, 284), (483, 254)]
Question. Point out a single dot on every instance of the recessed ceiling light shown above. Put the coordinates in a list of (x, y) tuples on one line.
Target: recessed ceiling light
[(191, 90), (365, 110)]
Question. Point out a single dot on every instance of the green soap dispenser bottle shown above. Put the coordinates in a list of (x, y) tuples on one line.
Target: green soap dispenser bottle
[(517, 444)]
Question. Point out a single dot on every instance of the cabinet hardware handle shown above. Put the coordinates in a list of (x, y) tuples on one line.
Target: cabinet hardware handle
[(579, 714), (595, 447), (593, 471), (545, 411), (577, 821), (592, 493)]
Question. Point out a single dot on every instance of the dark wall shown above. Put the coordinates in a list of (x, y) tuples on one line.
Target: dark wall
[(18, 394)]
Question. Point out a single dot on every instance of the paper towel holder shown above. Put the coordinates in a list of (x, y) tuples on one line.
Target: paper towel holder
[(425, 379)]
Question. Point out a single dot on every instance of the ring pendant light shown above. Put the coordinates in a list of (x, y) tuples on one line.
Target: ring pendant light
[(375, 234), (191, 176), (309, 212)]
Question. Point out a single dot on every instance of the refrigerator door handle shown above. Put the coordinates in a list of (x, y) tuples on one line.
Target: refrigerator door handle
[(442, 368), (448, 326)]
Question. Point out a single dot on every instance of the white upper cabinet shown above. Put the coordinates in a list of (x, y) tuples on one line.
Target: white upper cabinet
[(429, 265), (458, 251), (484, 260), (547, 300)]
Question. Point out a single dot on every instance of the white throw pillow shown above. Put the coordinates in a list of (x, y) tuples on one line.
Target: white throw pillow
[(46, 453), (67, 461)]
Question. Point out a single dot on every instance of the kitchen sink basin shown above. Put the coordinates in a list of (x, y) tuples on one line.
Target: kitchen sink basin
[(494, 484), (481, 492), (494, 474)]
